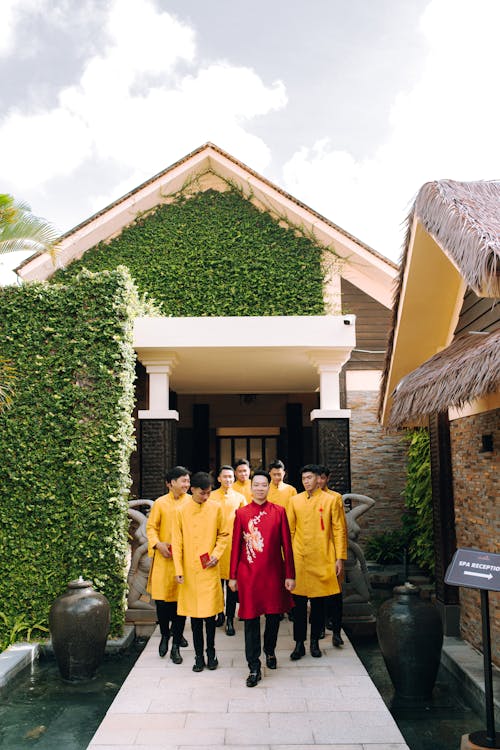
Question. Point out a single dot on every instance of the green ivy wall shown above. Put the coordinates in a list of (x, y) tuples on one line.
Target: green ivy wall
[(65, 442), (215, 254)]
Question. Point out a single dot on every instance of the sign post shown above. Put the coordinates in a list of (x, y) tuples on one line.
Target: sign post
[(480, 570)]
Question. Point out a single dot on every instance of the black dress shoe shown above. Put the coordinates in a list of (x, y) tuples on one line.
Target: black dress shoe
[(298, 652), (329, 625), (219, 620), (230, 626), (315, 649), (337, 640), (175, 654), (212, 661), (163, 647), (199, 664), (183, 643), (271, 662), (253, 678)]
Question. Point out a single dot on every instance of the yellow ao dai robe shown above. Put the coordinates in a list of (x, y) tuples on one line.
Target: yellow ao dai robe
[(161, 581), (230, 502), (319, 539), (199, 529), (244, 488), (281, 494)]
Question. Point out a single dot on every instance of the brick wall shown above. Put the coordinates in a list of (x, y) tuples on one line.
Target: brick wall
[(378, 463), (477, 515)]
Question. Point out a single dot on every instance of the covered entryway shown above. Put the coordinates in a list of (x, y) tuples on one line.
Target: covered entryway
[(223, 388)]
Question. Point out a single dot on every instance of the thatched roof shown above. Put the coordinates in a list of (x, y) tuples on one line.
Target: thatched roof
[(464, 220), (468, 368)]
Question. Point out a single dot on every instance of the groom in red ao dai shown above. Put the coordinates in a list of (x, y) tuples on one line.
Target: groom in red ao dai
[(262, 571)]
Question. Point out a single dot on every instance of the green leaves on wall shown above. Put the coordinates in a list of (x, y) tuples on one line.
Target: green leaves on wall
[(65, 441), (215, 254), (418, 499)]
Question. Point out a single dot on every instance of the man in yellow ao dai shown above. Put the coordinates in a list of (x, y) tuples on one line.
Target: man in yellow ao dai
[(319, 542), (229, 501), (242, 483), (161, 582), (279, 492), (199, 540)]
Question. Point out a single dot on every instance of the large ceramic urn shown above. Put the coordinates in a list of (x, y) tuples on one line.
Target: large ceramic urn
[(410, 634), (79, 626)]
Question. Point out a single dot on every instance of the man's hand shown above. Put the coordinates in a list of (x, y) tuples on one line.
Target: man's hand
[(179, 579), (164, 548), (339, 570), (233, 584), (289, 584), (213, 562)]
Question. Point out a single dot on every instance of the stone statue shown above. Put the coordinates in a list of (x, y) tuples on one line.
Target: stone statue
[(140, 563), (358, 611)]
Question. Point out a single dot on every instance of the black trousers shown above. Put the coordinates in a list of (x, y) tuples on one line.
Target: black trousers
[(300, 617), (333, 611), (252, 639), (197, 628), (231, 600), (171, 624)]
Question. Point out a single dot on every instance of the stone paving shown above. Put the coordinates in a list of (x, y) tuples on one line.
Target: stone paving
[(313, 703)]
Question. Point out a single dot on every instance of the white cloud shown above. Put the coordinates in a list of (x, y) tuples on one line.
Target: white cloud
[(446, 126), (12, 12), (133, 108)]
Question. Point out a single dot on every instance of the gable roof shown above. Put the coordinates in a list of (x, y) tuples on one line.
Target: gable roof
[(364, 267), (452, 241)]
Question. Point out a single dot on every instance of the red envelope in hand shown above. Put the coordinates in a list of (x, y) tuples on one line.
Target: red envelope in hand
[(204, 559)]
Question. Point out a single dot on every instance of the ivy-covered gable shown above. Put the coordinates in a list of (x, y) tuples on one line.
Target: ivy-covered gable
[(215, 254)]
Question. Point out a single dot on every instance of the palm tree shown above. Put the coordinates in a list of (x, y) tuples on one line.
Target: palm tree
[(21, 230)]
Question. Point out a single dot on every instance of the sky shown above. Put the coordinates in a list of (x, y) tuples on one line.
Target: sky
[(349, 105)]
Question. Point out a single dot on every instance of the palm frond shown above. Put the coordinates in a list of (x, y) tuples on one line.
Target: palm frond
[(21, 230)]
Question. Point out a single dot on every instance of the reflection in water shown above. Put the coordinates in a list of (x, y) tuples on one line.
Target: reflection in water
[(38, 709), (437, 724)]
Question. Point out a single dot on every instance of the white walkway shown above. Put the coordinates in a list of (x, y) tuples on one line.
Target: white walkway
[(313, 703)]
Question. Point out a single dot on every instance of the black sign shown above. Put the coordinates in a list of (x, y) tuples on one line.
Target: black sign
[(474, 570)]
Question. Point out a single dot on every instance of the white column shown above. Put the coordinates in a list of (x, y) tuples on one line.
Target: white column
[(159, 383), (329, 364)]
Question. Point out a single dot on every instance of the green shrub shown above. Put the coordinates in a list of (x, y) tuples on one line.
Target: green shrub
[(386, 548), (65, 442), (418, 521)]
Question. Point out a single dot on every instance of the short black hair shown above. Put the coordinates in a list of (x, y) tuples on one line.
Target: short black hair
[(325, 470), (201, 480), (176, 472), (276, 464), (312, 468), (242, 462), (225, 467), (262, 473)]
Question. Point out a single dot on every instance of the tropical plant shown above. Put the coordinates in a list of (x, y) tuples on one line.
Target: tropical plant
[(18, 628), (386, 548), (418, 521), (22, 230)]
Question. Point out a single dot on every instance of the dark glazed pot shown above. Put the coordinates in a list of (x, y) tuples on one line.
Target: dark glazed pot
[(79, 626), (410, 635)]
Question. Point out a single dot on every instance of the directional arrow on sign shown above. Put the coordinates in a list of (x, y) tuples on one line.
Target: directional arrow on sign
[(474, 569)]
